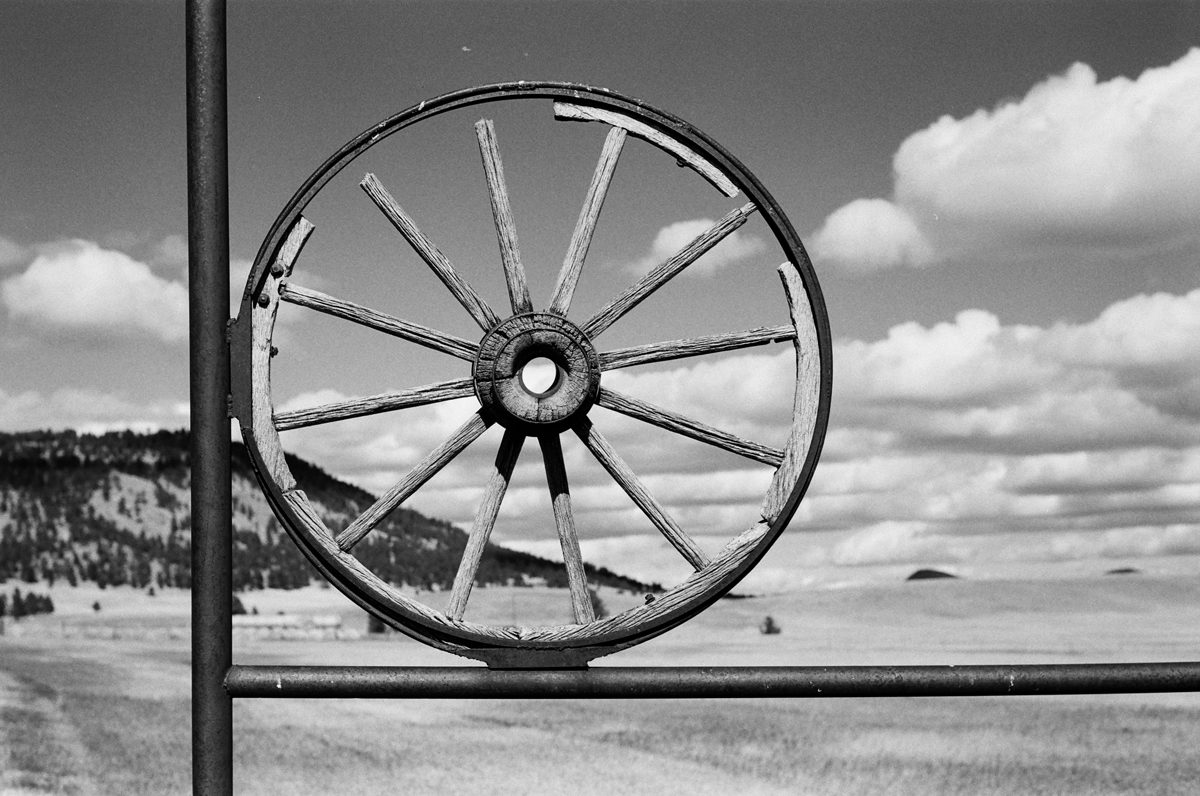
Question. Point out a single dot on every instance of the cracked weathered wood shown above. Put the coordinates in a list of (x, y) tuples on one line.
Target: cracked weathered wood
[(585, 227), (628, 481), (806, 398), (320, 535), (729, 562), (681, 424), (564, 522), (472, 302), (263, 313), (694, 347), (484, 522), (380, 322), (685, 156), (506, 228), (425, 469), (664, 272), (371, 405)]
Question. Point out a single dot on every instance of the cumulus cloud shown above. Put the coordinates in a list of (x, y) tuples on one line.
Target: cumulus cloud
[(964, 441), (81, 290), (1158, 331), (736, 247), (946, 437), (1116, 378), (871, 235), (1110, 163), (972, 358), (1088, 472), (78, 289)]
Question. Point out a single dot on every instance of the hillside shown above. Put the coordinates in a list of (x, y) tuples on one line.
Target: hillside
[(115, 509)]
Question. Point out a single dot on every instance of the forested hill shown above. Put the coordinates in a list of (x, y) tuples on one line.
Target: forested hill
[(115, 509)]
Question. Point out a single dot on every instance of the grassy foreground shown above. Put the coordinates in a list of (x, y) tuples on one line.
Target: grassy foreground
[(111, 716)]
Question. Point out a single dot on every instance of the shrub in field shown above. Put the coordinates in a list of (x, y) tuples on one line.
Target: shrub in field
[(768, 626)]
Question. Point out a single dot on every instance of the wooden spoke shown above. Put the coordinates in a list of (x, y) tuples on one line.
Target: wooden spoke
[(581, 239), (506, 229), (380, 322), (564, 521), (424, 470), (485, 520), (628, 481), (387, 402), (686, 156), (694, 347), (474, 304), (663, 273), (663, 418)]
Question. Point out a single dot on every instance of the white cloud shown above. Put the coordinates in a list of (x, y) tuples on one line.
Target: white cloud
[(871, 235), (967, 441), (1088, 472), (745, 393), (672, 238), (1124, 376), (894, 542), (1146, 332), (972, 358), (78, 289), (945, 437), (85, 410), (1112, 163)]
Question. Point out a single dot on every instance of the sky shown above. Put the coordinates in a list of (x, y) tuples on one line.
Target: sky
[(1001, 201)]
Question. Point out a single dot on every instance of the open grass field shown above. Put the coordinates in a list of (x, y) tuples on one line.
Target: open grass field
[(82, 712)]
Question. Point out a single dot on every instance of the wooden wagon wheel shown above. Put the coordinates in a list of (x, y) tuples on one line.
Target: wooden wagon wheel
[(537, 372)]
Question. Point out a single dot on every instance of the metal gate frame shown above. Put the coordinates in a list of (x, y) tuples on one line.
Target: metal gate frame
[(216, 681)]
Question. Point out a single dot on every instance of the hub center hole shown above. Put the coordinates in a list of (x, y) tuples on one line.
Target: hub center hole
[(539, 375)]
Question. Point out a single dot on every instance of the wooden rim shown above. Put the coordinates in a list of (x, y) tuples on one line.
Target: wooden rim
[(571, 346)]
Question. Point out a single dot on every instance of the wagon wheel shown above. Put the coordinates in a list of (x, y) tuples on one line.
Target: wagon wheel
[(517, 347)]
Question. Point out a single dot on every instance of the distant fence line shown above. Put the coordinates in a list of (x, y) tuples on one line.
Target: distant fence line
[(284, 627)]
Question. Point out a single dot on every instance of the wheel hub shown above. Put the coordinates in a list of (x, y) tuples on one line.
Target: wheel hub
[(513, 379)]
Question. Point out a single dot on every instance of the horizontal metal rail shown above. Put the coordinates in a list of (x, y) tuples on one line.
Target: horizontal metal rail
[(462, 682)]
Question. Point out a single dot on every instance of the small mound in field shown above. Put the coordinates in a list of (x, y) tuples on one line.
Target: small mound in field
[(929, 574), (1123, 571)]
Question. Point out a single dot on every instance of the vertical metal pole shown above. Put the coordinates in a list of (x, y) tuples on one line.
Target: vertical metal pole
[(208, 302)]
